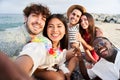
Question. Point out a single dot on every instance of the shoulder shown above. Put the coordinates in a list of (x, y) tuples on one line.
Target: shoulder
[(33, 45), (33, 49), (46, 39), (64, 50), (98, 31), (118, 54)]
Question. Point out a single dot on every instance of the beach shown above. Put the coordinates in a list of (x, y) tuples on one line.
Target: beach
[(111, 31)]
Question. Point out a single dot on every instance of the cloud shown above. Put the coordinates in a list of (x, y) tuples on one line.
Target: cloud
[(61, 6)]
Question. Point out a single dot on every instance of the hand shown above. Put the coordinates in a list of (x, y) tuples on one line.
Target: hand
[(79, 37), (77, 52)]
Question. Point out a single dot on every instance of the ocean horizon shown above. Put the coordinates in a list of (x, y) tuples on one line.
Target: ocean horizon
[(10, 20)]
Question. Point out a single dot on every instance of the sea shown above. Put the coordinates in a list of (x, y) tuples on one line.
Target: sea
[(10, 21)]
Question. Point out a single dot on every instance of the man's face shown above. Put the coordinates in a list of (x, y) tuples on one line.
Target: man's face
[(103, 47), (35, 23), (74, 16)]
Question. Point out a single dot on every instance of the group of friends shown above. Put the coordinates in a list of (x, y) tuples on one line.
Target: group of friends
[(47, 47)]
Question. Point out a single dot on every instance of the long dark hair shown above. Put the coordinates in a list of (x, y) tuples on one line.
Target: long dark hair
[(64, 40), (91, 27)]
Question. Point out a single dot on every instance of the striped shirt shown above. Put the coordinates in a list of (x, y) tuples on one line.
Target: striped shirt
[(72, 33)]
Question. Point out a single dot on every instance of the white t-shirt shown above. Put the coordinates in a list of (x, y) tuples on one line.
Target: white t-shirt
[(41, 58), (106, 70)]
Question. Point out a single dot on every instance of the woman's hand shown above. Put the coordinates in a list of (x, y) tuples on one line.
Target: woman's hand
[(79, 37), (77, 52)]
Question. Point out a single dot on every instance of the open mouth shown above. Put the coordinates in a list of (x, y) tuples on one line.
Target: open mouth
[(103, 51), (36, 26), (55, 35)]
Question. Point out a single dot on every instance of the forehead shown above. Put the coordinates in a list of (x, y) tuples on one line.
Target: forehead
[(77, 11), (84, 17), (55, 21), (97, 40)]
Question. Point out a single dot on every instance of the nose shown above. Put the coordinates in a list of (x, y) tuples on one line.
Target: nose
[(75, 16), (55, 29), (82, 21), (98, 45), (39, 20)]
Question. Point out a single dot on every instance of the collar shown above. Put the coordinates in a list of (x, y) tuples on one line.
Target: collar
[(27, 35)]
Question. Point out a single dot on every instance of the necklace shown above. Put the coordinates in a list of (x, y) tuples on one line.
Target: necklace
[(48, 46), (55, 53)]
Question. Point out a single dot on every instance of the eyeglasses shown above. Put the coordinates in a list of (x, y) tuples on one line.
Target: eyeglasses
[(100, 42), (98, 45)]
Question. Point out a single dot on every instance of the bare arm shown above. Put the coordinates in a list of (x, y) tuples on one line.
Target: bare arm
[(69, 54), (84, 43), (82, 66), (25, 63), (87, 48), (89, 56), (10, 71)]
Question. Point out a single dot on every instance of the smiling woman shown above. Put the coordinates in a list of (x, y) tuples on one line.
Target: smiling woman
[(44, 57)]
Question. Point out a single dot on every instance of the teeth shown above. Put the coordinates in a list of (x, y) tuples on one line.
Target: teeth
[(102, 50), (35, 26), (72, 19), (55, 34)]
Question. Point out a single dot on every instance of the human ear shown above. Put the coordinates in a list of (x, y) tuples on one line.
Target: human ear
[(25, 19)]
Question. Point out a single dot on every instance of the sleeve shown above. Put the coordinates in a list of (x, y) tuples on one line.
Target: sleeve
[(62, 65), (91, 74), (64, 68), (36, 51), (8, 43), (11, 43)]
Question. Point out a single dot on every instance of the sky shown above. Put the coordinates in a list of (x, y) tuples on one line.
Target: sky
[(61, 6)]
